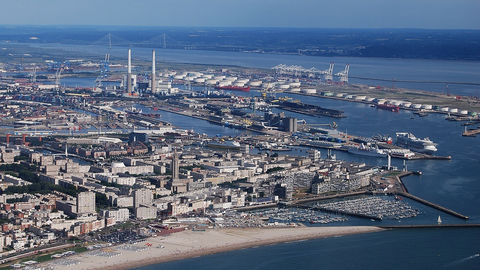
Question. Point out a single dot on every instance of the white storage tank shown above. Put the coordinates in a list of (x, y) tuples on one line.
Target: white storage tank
[(309, 91), (268, 85), (295, 84), (239, 84), (381, 101), (211, 82), (244, 81), (256, 83)]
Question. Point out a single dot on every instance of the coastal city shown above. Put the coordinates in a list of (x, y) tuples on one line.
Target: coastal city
[(100, 171)]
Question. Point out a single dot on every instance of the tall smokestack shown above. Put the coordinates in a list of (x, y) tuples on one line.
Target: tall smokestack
[(129, 72), (154, 81)]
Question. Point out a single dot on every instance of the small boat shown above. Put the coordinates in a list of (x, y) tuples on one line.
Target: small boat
[(439, 220)]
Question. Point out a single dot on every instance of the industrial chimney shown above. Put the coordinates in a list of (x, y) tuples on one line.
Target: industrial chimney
[(129, 72), (154, 81)]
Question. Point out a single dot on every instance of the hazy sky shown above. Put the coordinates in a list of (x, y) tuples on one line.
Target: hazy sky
[(262, 13)]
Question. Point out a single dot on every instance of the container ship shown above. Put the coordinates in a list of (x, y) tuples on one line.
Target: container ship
[(233, 88), (388, 107), (408, 140)]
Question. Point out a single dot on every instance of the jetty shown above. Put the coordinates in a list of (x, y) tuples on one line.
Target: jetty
[(433, 205)]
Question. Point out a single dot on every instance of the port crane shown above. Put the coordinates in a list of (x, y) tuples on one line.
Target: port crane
[(344, 74), (58, 75)]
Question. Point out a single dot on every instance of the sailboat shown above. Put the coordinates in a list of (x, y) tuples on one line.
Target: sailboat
[(439, 220)]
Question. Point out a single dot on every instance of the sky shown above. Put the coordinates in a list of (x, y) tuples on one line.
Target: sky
[(432, 14)]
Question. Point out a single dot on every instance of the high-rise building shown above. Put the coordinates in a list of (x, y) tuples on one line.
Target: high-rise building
[(85, 203), (142, 197), (175, 167)]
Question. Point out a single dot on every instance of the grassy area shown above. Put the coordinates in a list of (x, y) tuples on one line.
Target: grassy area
[(44, 257)]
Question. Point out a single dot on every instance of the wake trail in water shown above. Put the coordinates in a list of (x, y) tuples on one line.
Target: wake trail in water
[(474, 256)]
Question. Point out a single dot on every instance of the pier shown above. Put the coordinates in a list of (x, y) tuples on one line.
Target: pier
[(433, 205), (341, 212), (471, 132)]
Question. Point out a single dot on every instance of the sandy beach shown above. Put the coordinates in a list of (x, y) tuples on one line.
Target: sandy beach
[(189, 244)]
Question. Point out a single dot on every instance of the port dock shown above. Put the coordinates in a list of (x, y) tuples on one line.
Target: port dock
[(341, 212)]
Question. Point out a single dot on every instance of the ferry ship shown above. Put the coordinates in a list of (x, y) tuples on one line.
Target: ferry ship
[(233, 88), (413, 143), (367, 151)]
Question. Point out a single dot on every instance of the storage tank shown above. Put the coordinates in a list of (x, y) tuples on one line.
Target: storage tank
[(309, 91), (256, 83), (244, 81), (381, 101), (211, 82), (295, 84)]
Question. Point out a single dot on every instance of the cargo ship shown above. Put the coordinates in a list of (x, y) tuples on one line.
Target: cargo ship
[(233, 88), (388, 107), (309, 109)]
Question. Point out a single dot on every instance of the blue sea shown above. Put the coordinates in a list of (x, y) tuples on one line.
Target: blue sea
[(452, 183)]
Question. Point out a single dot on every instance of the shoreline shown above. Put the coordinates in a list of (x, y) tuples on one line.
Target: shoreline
[(190, 244)]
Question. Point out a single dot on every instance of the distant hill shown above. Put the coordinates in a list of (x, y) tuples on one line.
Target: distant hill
[(385, 43)]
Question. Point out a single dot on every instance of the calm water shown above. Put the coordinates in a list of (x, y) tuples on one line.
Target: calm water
[(401, 249), (454, 184)]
